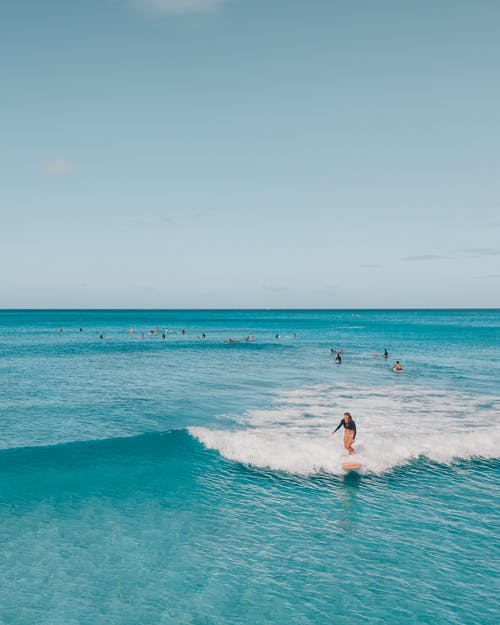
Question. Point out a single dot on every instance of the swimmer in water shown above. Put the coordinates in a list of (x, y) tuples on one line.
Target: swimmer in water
[(386, 353), (338, 358), (397, 366), (349, 432)]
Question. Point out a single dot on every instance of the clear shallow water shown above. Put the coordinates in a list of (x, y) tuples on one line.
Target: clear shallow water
[(188, 480)]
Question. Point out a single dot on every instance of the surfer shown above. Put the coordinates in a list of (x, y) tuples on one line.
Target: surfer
[(386, 353), (338, 358), (349, 432), (397, 366)]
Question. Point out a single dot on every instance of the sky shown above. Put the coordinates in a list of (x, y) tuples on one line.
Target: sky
[(249, 154)]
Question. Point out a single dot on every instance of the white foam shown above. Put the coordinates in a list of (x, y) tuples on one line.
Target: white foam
[(395, 426)]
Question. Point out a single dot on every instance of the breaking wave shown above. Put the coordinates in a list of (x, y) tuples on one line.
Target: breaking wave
[(395, 426)]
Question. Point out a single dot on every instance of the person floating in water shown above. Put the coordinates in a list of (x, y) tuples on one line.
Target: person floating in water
[(349, 432), (338, 358), (397, 366), (386, 353)]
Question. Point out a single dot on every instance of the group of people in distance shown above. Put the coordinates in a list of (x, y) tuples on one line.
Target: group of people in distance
[(348, 422), (338, 358)]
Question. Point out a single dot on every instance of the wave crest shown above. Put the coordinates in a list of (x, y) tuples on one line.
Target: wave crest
[(395, 426)]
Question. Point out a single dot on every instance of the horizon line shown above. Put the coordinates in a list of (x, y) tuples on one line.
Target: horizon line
[(264, 309)]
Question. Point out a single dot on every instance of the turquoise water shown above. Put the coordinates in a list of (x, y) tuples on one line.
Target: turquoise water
[(190, 480)]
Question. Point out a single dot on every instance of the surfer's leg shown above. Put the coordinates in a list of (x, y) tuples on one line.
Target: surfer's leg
[(348, 441)]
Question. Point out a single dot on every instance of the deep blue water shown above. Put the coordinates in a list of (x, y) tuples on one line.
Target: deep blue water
[(191, 480)]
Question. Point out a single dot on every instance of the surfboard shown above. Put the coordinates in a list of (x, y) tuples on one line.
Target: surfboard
[(349, 465)]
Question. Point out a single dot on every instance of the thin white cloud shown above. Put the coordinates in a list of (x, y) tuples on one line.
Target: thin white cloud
[(59, 167), (173, 7)]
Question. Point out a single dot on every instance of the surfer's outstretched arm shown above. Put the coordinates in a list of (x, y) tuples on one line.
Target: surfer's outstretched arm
[(338, 426)]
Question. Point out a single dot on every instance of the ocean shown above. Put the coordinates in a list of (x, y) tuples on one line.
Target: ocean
[(168, 476)]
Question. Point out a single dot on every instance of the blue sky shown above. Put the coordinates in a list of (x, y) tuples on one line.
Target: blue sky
[(250, 153)]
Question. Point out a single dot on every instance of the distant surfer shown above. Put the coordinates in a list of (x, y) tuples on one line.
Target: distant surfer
[(397, 366), (386, 354), (338, 358), (349, 432)]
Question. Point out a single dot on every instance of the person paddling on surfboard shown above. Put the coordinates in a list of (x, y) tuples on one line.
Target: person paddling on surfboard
[(349, 432)]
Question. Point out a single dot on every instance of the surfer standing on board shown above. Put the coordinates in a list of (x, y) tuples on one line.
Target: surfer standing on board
[(349, 432)]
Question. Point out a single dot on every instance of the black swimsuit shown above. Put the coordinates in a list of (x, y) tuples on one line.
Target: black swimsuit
[(348, 426)]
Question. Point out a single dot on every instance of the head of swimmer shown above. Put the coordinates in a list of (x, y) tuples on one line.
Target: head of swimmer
[(347, 417)]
